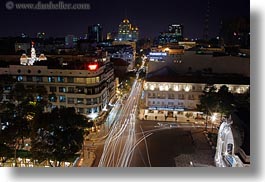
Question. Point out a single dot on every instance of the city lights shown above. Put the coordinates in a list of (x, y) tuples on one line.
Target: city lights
[(93, 116), (214, 117), (114, 94)]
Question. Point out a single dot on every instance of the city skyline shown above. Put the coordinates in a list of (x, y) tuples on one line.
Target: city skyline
[(151, 18), (181, 99)]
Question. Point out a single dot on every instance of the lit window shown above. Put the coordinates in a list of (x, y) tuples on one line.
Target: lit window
[(19, 78), (187, 88), (152, 87), (80, 101), (52, 98), (80, 80), (62, 89), (51, 79), (62, 98), (60, 79), (80, 90), (89, 110), (166, 88), (240, 90), (39, 98), (97, 80), (176, 88)]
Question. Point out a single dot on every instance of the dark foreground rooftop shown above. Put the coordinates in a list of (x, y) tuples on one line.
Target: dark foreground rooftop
[(166, 74)]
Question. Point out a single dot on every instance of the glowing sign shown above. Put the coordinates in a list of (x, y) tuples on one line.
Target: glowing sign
[(158, 54), (93, 66)]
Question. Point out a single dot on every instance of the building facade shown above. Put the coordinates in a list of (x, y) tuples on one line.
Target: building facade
[(176, 99), (88, 86), (180, 96), (174, 34), (127, 32)]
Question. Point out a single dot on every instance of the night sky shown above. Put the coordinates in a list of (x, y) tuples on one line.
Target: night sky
[(151, 17)]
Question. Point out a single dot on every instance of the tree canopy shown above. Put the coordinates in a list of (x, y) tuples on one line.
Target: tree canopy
[(222, 101), (57, 135), (17, 115)]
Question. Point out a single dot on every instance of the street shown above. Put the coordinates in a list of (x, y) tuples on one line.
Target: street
[(120, 144), (134, 143)]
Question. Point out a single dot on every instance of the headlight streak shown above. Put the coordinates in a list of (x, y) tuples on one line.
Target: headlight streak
[(121, 142)]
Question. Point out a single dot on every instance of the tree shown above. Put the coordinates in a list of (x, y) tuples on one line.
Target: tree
[(17, 115), (16, 121), (243, 100), (138, 62), (208, 101), (226, 101), (57, 136), (188, 114)]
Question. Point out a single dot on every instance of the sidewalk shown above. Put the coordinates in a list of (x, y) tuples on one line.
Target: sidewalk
[(88, 155), (161, 118)]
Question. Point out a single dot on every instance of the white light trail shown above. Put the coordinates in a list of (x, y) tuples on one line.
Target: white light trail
[(121, 141)]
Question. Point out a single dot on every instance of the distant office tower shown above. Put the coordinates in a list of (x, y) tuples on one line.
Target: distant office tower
[(70, 41), (174, 34), (127, 32), (176, 29), (95, 33)]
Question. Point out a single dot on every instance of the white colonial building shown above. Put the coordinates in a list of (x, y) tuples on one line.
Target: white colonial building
[(169, 94), (179, 97), (25, 60), (172, 96)]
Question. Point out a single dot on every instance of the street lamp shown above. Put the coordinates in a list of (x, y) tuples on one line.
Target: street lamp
[(213, 119)]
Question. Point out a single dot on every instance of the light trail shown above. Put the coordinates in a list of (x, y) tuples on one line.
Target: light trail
[(147, 152), (121, 141)]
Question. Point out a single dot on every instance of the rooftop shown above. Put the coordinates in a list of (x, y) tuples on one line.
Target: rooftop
[(190, 61), (167, 74)]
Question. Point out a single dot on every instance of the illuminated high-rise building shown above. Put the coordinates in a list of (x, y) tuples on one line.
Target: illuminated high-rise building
[(174, 34), (127, 32)]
